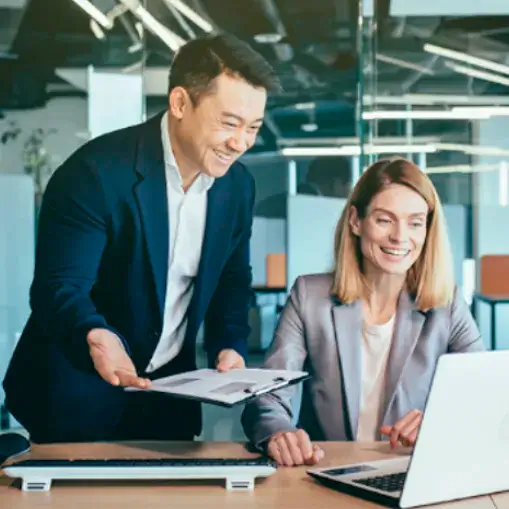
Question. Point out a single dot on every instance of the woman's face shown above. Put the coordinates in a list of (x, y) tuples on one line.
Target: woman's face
[(393, 232)]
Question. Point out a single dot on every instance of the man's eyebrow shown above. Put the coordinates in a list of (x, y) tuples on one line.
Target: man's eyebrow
[(238, 117)]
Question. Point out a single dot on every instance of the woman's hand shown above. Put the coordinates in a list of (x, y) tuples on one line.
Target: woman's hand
[(294, 448), (405, 430)]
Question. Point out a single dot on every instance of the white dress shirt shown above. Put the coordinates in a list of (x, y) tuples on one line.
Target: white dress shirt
[(376, 344), (187, 213)]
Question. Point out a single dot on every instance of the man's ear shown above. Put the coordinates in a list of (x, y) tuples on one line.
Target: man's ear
[(178, 102), (354, 221)]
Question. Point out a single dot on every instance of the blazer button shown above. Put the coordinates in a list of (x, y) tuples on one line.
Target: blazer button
[(155, 335)]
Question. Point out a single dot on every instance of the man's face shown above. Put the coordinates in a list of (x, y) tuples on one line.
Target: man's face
[(224, 124)]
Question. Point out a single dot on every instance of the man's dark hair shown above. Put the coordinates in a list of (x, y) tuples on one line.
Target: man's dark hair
[(200, 61)]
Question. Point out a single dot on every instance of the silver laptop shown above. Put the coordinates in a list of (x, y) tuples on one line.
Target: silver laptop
[(462, 448)]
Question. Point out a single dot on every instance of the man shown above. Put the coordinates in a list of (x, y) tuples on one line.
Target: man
[(328, 176), (144, 234)]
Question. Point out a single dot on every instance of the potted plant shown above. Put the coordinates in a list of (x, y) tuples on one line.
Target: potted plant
[(37, 161), (10, 133)]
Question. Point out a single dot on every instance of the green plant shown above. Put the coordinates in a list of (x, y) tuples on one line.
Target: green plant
[(36, 159), (11, 132)]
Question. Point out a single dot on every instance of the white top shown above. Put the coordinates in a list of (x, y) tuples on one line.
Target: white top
[(187, 213), (376, 344)]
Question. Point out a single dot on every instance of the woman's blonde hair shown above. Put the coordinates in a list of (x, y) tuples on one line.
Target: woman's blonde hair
[(430, 280)]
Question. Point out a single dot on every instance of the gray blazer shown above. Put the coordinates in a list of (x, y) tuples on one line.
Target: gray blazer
[(322, 336)]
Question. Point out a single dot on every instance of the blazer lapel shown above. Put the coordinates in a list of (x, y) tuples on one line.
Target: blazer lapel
[(409, 323), (151, 196), (347, 320), (216, 242)]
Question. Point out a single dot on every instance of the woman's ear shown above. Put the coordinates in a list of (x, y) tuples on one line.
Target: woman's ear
[(354, 221)]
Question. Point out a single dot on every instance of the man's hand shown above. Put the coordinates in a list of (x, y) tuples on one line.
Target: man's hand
[(111, 360), (405, 430), (228, 359), (294, 448)]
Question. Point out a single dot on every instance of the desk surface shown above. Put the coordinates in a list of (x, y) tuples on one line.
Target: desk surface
[(288, 488)]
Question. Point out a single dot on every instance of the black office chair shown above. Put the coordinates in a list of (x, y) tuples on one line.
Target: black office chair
[(12, 444)]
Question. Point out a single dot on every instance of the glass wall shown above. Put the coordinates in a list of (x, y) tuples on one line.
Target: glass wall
[(434, 81)]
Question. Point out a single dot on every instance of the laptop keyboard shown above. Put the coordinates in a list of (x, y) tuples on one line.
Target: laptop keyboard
[(389, 483)]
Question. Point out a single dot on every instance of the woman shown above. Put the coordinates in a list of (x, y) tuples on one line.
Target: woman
[(370, 333)]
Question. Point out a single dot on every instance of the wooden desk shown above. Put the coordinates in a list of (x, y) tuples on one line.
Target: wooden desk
[(492, 301), (288, 488)]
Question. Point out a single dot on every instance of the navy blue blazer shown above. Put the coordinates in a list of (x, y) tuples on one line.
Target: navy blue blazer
[(102, 255)]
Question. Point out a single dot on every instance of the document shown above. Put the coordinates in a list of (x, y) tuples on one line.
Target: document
[(225, 389)]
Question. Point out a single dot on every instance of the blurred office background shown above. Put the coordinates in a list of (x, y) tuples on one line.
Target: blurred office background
[(362, 79)]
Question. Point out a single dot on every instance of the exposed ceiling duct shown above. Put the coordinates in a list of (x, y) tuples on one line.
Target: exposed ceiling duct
[(312, 46)]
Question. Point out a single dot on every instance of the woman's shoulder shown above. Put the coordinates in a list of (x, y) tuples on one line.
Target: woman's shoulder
[(315, 285), (452, 303)]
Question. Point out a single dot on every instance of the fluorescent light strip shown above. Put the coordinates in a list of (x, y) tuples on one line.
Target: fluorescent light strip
[(309, 127), (492, 111), (171, 39), (315, 151), (137, 67), (476, 73), (403, 63), (117, 11), (465, 57), (464, 168), (192, 15), (355, 150), (422, 114), (459, 168), (473, 149), (95, 13), (137, 46), (430, 99), (350, 140), (138, 26), (304, 106), (97, 30)]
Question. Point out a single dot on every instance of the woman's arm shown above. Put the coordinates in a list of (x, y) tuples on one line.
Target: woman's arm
[(272, 413), (464, 333)]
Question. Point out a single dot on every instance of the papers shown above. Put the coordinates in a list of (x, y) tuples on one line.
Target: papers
[(225, 389)]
